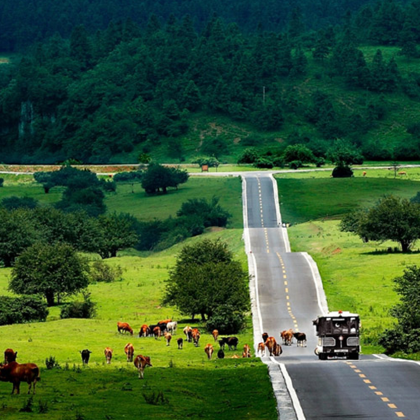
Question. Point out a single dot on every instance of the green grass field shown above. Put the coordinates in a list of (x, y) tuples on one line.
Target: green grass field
[(357, 276), (190, 385)]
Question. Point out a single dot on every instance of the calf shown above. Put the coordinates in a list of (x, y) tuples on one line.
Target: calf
[(108, 355), (9, 356), (16, 373), (247, 351), (221, 354), (261, 349), (300, 339), (140, 362), (168, 338), (287, 337), (180, 342), (232, 342), (215, 334), (85, 356), (124, 327), (209, 350), (129, 351)]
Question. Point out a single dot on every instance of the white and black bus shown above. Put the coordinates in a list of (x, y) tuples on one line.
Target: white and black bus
[(338, 335)]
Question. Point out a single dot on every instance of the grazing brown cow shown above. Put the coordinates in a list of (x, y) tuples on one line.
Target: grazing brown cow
[(277, 350), (261, 349), (180, 342), (188, 333), (108, 354), (271, 345), (264, 337), (165, 321), (168, 338), (215, 334), (235, 356), (124, 327), (156, 332), (144, 331), (129, 351), (402, 173), (140, 362), (9, 356), (364, 173), (16, 373), (195, 336), (209, 350), (247, 351)]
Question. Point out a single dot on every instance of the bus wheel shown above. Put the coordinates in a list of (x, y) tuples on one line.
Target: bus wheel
[(322, 356), (354, 356)]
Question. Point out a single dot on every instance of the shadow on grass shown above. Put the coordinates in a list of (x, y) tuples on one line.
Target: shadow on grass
[(390, 251)]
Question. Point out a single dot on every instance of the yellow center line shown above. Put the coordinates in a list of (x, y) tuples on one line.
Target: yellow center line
[(384, 399), (285, 283), (362, 375), (366, 381), (392, 406), (399, 414), (378, 393)]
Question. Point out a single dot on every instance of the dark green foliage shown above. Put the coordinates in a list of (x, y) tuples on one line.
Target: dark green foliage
[(85, 309), (1, 182), (298, 152), (129, 177), (100, 271), (248, 156), (342, 171), (206, 276), (89, 200), (263, 163), (50, 363), (158, 178), (50, 271), (405, 335), (392, 218), (226, 319), (108, 186), (117, 232), (27, 405), (295, 164), (210, 212), (344, 153), (156, 398), (14, 202), (22, 309)]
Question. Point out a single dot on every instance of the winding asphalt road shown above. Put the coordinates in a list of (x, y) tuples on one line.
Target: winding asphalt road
[(286, 293)]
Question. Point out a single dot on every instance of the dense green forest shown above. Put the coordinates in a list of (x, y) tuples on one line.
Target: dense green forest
[(102, 87)]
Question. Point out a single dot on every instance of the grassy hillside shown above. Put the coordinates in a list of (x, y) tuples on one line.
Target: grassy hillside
[(184, 377)]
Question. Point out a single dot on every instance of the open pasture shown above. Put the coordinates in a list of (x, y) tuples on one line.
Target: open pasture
[(181, 377)]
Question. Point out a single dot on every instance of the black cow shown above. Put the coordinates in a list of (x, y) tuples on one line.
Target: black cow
[(180, 342), (220, 354), (232, 342), (300, 338), (85, 356), (152, 327), (162, 326)]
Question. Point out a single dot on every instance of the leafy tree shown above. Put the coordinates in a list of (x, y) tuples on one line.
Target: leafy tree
[(404, 336), (298, 152), (85, 309), (158, 177), (206, 276), (22, 309), (343, 155), (49, 270), (100, 271), (18, 232), (392, 218), (90, 200), (117, 233), (248, 156)]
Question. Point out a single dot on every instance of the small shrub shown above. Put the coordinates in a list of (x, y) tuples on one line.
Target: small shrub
[(85, 309), (295, 164), (155, 398), (1, 182), (22, 309), (51, 363), (27, 406), (108, 186), (342, 171), (101, 271), (42, 407)]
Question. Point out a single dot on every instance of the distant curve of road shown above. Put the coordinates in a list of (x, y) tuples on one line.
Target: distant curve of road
[(285, 293)]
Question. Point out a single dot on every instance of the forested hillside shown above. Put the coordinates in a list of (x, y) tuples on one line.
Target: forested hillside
[(176, 89)]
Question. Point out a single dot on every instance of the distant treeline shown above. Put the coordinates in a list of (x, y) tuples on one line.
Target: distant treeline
[(131, 87), (24, 21)]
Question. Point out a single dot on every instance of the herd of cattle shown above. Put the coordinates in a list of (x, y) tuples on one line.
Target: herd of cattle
[(11, 371)]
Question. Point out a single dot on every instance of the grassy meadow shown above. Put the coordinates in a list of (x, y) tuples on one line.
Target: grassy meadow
[(182, 383), (357, 276)]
